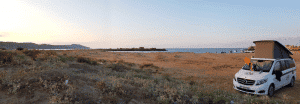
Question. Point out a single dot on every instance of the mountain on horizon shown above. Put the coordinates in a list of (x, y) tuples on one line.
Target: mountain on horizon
[(30, 45)]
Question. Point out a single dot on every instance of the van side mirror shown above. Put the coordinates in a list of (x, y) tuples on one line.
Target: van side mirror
[(275, 72), (278, 75)]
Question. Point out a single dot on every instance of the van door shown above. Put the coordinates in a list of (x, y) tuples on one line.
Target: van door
[(290, 67), (286, 73), (278, 82)]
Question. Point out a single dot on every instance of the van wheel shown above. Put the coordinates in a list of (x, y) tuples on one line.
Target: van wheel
[(292, 83), (271, 91)]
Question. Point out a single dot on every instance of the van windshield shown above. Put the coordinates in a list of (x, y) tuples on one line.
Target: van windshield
[(259, 65)]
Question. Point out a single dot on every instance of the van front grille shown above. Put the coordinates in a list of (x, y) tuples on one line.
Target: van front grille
[(245, 89), (245, 81)]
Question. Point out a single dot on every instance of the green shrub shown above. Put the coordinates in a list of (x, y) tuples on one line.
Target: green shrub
[(20, 56), (63, 59)]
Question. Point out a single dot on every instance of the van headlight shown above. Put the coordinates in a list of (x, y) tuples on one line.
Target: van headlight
[(259, 82)]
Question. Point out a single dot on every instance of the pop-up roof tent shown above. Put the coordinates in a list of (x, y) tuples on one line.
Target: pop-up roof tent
[(271, 49)]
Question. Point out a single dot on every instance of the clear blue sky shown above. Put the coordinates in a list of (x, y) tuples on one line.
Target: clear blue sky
[(150, 23)]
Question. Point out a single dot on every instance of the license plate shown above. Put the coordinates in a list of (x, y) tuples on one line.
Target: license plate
[(244, 87)]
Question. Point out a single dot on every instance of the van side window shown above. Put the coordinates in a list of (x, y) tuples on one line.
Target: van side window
[(277, 66), (292, 64), (287, 64), (283, 66)]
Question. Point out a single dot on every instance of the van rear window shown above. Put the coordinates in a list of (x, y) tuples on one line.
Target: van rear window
[(292, 64), (287, 64)]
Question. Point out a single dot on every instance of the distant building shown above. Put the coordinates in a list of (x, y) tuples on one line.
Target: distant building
[(141, 48)]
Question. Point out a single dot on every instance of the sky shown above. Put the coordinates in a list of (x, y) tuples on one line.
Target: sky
[(150, 23)]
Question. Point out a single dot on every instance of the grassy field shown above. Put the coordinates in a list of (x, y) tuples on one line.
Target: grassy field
[(88, 76)]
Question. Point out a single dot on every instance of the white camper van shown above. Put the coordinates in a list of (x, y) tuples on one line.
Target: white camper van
[(267, 74)]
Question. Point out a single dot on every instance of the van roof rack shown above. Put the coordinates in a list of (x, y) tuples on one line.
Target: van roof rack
[(263, 59)]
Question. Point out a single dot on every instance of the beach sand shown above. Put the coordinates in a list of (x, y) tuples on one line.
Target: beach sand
[(213, 69)]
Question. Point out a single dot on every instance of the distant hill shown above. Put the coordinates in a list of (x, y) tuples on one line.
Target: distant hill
[(14, 45)]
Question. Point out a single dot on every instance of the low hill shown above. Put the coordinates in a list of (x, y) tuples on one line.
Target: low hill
[(14, 45)]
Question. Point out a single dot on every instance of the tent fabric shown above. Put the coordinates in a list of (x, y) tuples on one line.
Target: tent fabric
[(270, 49)]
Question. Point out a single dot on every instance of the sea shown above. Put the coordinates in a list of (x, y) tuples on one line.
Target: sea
[(193, 50)]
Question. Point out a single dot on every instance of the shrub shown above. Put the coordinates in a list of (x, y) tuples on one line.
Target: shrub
[(167, 77), (65, 58), (142, 76), (6, 57), (118, 67), (20, 48), (62, 58), (86, 60), (49, 53), (146, 65), (22, 59), (32, 53)]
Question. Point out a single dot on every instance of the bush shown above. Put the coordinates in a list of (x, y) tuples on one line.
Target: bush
[(32, 53), (65, 58), (22, 59), (118, 67), (20, 48), (86, 60), (49, 53), (146, 65), (6, 57)]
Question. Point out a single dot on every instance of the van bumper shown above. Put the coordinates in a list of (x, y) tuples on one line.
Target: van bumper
[(253, 89)]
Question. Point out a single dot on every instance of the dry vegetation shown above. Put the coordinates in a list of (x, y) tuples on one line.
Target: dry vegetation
[(33, 76)]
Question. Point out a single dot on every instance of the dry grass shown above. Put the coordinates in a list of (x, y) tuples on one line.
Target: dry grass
[(52, 77), (6, 57)]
